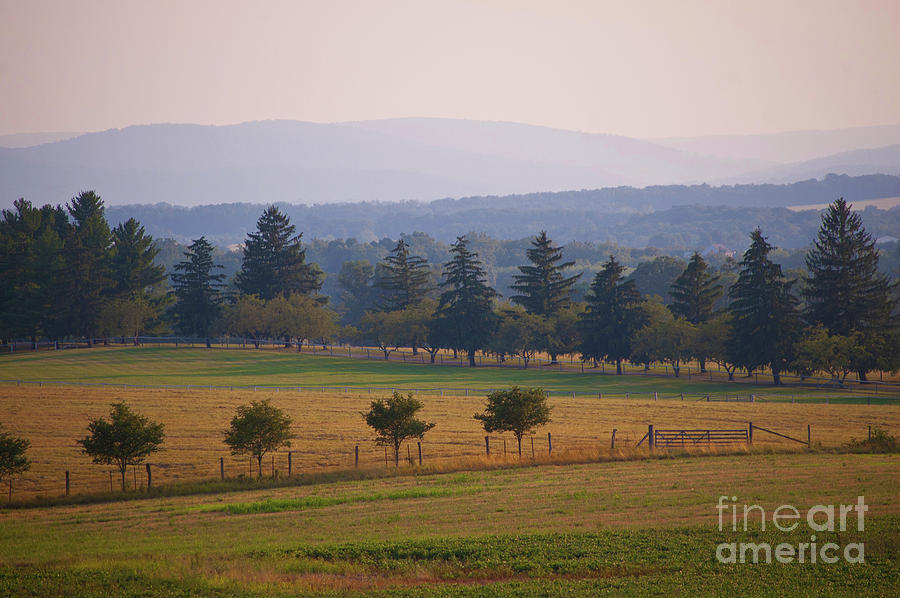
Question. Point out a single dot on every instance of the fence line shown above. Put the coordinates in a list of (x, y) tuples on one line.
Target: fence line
[(279, 464)]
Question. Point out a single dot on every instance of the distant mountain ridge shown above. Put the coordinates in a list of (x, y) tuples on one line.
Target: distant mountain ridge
[(787, 147), (662, 216), (390, 160)]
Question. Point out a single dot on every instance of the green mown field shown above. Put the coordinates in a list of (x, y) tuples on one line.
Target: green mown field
[(631, 528), (186, 366)]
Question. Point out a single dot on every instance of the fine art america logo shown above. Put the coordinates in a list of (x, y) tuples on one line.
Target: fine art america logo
[(787, 518)]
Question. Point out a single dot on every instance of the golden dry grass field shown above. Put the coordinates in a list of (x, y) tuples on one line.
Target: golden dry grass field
[(329, 426)]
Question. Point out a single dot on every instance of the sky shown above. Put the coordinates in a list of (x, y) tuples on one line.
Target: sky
[(636, 68)]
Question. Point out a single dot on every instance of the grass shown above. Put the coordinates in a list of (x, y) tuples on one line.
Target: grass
[(185, 366), (623, 528), (329, 427), (271, 505)]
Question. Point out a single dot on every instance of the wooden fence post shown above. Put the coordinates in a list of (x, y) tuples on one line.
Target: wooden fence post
[(870, 438), (549, 444), (808, 436), (222, 467), (290, 464), (750, 433), (650, 436), (504, 448), (612, 443), (532, 446), (149, 477), (420, 452), (67, 471), (487, 446), (356, 457), (110, 481)]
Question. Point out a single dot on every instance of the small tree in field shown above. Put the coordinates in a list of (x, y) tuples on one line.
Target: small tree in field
[(126, 439), (394, 420), (257, 429), (12, 455), (515, 410)]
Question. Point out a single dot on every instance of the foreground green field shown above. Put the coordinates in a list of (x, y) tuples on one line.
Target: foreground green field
[(186, 366), (632, 528)]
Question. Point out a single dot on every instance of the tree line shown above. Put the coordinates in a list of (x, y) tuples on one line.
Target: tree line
[(72, 276)]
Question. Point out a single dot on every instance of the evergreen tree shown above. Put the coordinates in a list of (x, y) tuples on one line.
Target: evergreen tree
[(404, 279), (694, 294), (612, 317), (33, 267), (765, 321), (275, 261), (87, 271), (465, 318), (844, 291), (197, 290), (131, 262), (134, 303), (542, 289)]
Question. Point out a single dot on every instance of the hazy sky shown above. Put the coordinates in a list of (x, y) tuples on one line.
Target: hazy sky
[(646, 69)]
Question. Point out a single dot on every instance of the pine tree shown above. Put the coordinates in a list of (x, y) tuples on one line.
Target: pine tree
[(197, 290), (612, 317), (465, 317), (844, 291), (542, 289), (131, 263), (765, 321), (33, 298), (87, 247), (404, 279), (275, 261), (694, 293)]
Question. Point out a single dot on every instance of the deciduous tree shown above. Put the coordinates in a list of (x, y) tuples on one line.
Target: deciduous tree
[(515, 410), (394, 420), (126, 439), (13, 460), (257, 429)]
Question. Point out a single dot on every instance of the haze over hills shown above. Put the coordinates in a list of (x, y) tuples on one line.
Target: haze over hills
[(854, 163), (787, 147), (390, 160), (671, 217)]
